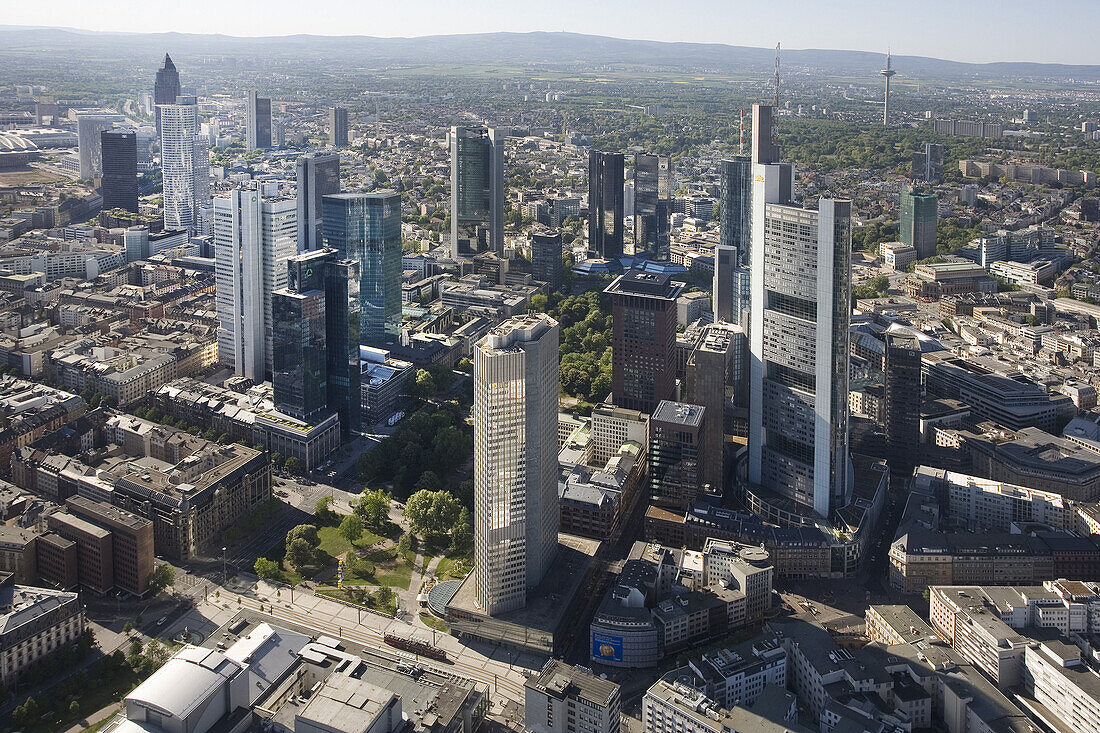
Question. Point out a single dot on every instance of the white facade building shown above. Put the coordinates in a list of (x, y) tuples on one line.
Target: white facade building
[(185, 164)]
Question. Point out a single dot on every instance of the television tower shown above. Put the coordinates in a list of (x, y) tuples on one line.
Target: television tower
[(887, 72)]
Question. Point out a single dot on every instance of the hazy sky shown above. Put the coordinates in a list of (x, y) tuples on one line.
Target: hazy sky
[(963, 30)]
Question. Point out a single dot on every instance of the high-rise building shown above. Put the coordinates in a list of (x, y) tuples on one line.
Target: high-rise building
[(259, 121), (89, 130), (928, 165), (546, 256), (677, 435), (338, 127), (318, 176), (723, 289), (366, 228), (902, 381), (477, 191), (299, 348), (166, 87), (643, 368), (254, 236), (605, 204), (798, 336), (342, 311), (706, 377), (185, 164), (515, 415), (652, 206), (919, 218), (120, 184), (736, 206)]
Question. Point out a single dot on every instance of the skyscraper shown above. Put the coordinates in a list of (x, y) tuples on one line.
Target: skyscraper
[(120, 185), (259, 121), (318, 176), (299, 354), (677, 435), (605, 204), (652, 206), (515, 460), (254, 237), (928, 165), (166, 87), (185, 164), (643, 369), (366, 228), (724, 285), (546, 256), (736, 206), (901, 378), (342, 309), (798, 337), (89, 129), (477, 191), (919, 219), (705, 379), (338, 127)]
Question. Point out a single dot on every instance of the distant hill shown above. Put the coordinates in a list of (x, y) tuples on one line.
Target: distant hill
[(541, 48)]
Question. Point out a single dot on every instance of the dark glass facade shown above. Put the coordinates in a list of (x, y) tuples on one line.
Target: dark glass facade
[(338, 127), (605, 204), (318, 176), (344, 379), (736, 206), (299, 370), (546, 255), (166, 87), (652, 206), (120, 186), (259, 122), (366, 227), (477, 191), (643, 369)]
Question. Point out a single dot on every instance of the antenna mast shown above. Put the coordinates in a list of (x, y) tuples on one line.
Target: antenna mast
[(741, 134), (775, 100)]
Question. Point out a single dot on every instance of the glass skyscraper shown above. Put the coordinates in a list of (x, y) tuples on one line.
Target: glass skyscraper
[(477, 191), (120, 185), (318, 176), (342, 313), (299, 356), (166, 87), (605, 204), (366, 228), (652, 206), (919, 219), (185, 164), (736, 206), (259, 121)]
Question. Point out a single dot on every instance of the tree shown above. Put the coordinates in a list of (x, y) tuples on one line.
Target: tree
[(298, 553), (462, 534), (267, 569), (351, 528), (293, 465), (307, 532), (74, 708), (277, 459), (127, 628), (373, 508), (162, 578), (405, 543), (424, 385), (432, 513), (428, 481), (323, 511)]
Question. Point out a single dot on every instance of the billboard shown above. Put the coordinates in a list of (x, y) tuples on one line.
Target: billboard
[(607, 647)]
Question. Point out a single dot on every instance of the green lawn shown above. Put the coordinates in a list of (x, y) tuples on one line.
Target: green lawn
[(433, 623), (336, 544), (452, 568), (391, 568), (367, 601)]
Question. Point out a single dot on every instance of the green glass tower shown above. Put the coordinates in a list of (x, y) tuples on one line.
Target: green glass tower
[(919, 217)]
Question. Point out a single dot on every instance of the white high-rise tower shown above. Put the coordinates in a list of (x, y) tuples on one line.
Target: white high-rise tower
[(515, 414), (185, 164)]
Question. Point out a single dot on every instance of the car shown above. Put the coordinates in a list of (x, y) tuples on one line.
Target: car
[(160, 622)]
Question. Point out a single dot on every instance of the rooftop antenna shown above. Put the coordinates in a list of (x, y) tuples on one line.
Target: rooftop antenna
[(775, 99), (741, 134)]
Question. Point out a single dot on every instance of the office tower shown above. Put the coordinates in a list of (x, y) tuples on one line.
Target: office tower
[(736, 206), (338, 127), (919, 218), (798, 336), (902, 380), (318, 176), (366, 228), (477, 191), (723, 288), (605, 204), (185, 164), (259, 122), (120, 183), (928, 165), (677, 432), (89, 129), (546, 256), (628, 198), (135, 241), (706, 376), (254, 237), (299, 347), (643, 368), (652, 206), (888, 73), (166, 87), (515, 416), (342, 309)]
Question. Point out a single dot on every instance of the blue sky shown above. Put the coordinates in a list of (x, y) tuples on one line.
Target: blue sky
[(964, 30)]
